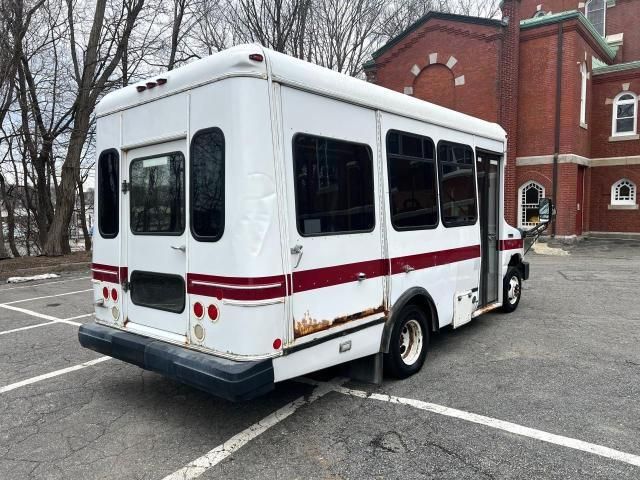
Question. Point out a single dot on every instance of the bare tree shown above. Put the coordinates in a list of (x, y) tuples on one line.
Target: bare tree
[(101, 56), (276, 24)]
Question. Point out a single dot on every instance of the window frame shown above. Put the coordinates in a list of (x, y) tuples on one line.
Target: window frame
[(584, 74), (159, 234), (436, 175), (118, 190), (521, 204), (207, 238), (615, 187), (295, 185), (604, 16), (475, 185), (614, 114)]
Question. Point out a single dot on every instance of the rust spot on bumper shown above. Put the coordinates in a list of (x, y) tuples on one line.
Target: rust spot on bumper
[(309, 325)]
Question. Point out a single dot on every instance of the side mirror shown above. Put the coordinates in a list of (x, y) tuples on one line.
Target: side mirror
[(546, 210)]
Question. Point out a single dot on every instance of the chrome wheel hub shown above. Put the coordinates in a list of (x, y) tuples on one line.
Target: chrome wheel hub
[(514, 290), (411, 339)]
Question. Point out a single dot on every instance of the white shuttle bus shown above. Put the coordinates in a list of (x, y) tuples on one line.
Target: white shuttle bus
[(260, 218)]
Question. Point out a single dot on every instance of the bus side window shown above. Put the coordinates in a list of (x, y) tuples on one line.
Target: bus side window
[(411, 166), (108, 193), (457, 184), (333, 186)]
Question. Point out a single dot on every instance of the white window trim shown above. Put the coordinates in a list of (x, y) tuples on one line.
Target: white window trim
[(617, 185), (521, 205), (604, 15), (583, 94), (614, 114)]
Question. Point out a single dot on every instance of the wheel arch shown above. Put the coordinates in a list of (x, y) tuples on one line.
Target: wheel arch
[(414, 296)]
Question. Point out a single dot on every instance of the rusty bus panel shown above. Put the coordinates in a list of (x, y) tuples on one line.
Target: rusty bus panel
[(309, 325)]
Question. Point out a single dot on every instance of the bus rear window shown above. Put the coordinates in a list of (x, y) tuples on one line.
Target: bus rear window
[(333, 186), (108, 194), (207, 185), (157, 195)]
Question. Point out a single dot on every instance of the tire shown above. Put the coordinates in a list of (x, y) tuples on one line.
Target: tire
[(408, 343), (511, 290)]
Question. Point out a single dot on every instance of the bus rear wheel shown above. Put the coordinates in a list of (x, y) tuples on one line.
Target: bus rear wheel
[(408, 343), (511, 290)]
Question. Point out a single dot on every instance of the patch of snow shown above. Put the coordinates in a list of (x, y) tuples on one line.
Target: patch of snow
[(545, 249), (44, 276)]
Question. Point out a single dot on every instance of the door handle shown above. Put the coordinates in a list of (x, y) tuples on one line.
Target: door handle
[(362, 276), (182, 248), (297, 250)]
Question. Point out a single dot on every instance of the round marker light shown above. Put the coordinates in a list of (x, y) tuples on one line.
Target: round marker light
[(114, 294), (198, 310), (277, 343), (212, 311), (105, 293), (141, 88), (151, 84), (256, 57), (198, 332)]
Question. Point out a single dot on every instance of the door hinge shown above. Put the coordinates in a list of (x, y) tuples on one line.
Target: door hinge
[(125, 186), (126, 286)]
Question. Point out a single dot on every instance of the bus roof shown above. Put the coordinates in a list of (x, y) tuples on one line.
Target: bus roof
[(299, 74)]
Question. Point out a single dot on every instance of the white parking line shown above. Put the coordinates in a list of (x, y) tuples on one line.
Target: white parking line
[(56, 373), (500, 425), (43, 316), (210, 459), (44, 283), (48, 296), (27, 328)]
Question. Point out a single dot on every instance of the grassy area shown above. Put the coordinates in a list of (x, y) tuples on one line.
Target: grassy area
[(26, 266)]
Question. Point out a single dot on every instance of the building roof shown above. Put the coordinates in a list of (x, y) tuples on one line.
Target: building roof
[(425, 18), (302, 75), (568, 15), (617, 67)]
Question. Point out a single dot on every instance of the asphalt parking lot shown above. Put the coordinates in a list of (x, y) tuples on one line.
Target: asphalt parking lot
[(550, 391)]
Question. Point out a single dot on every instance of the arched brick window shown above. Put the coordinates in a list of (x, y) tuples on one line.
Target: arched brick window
[(529, 194), (596, 13), (625, 114), (623, 192)]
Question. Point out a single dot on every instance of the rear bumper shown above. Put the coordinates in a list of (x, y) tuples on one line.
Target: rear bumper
[(223, 378)]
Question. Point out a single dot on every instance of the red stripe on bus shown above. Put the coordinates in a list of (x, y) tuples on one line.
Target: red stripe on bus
[(434, 259), (265, 288), (338, 274), (108, 273), (237, 288), (511, 244)]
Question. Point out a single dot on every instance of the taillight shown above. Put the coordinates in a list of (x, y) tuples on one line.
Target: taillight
[(212, 311), (198, 310), (105, 292), (256, 57), (114, 294)]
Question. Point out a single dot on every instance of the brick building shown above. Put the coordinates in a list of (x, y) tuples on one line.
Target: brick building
[(562, 78)]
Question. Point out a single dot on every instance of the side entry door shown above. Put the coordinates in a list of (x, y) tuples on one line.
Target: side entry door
[(337, 267), (488, 168), (156, 240)]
